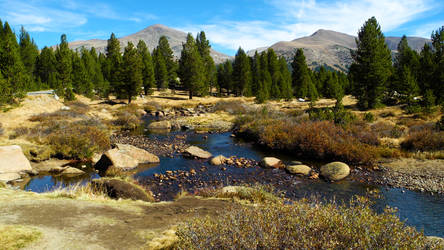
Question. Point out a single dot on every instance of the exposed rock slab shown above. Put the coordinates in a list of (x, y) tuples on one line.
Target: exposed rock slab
[(119, 160), (197, 152), (7, 177), (12, 160), (335, 171), (140, 155)]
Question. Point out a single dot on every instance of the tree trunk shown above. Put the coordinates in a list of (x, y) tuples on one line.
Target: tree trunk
[(129, 99), (191, 94)]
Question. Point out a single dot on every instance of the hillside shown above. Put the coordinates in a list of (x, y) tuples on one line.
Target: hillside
[(151, 37), (326, 47)]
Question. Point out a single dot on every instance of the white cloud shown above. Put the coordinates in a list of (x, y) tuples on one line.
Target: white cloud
[(291, 19), (426, 30)]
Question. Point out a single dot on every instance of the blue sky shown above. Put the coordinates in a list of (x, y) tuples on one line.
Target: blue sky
[(228, 23)]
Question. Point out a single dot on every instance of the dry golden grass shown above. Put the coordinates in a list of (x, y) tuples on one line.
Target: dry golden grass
[(17, 236)]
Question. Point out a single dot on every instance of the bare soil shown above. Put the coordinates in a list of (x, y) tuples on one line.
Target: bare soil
[(79, 224)]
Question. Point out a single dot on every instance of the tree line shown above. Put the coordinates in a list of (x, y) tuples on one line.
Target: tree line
[(375, 77)]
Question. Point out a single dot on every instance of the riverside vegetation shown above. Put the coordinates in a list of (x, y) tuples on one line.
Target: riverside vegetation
[(401, 119)]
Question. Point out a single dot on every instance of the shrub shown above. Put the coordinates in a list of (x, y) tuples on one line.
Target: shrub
[(385, 129), (232, 107), (369, 117), (258, 194), (302, 225), (424, 140), (439, 124), (2, 131), (338, 114), (128, 116), (78, 141)]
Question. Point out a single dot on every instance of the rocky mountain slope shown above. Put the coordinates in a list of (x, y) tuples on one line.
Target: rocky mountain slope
[(151, 37), (331, 48)]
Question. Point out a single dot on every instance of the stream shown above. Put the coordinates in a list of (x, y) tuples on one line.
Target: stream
[(421, 210)]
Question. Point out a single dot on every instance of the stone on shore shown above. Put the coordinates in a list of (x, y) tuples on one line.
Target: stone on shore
[(299, 169), (51, 166), (7, 177), (218, 160), (12, 160), (119, 160), (140, 155), (335, 171), (160, 125), (72, 171), (272, 162), (197, 152)]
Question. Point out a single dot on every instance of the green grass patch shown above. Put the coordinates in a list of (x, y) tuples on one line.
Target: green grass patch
[(17, 236)]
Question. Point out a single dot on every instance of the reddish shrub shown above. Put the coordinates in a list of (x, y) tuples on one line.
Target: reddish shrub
[(424, 140)]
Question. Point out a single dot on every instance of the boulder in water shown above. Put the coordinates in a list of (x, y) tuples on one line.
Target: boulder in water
[(299, 169), (272, 162), (335, 171)]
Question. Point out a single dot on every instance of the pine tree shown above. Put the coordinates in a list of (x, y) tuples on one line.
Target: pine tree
[(224, 77), (46, 66), (191, 67), (11, 65), (285, 83), (301, 79), (149, 80), (28, 51), (256, 73), (427, 68), (103, 65), (64, 69), (242, 74), (372, 65), (438, 75), (163, 49), (81, 81), (204, 48), (94, 71), (113, 68), (265, 83), (406, 69), (160, 70), (132, 68)]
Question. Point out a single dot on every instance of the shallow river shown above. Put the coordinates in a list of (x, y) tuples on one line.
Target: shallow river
[(422, 210)]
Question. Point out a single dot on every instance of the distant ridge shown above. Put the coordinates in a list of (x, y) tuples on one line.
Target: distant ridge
[(151, 36), (331, 48)]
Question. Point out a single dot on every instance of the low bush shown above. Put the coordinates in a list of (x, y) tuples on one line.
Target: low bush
[(128, 116), (2, 131), (369, 117), (302, 225), (232, 107), (439, 124), (78, 141), (257, 194), (385, 129), (322, 140), (339, 115), (424, 140)]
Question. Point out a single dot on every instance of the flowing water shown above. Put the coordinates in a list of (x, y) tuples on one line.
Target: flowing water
[(422, 210)]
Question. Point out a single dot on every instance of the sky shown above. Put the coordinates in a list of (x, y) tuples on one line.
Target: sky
[(228, 24)]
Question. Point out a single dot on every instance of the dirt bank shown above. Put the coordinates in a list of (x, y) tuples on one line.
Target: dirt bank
[(80, 224)]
